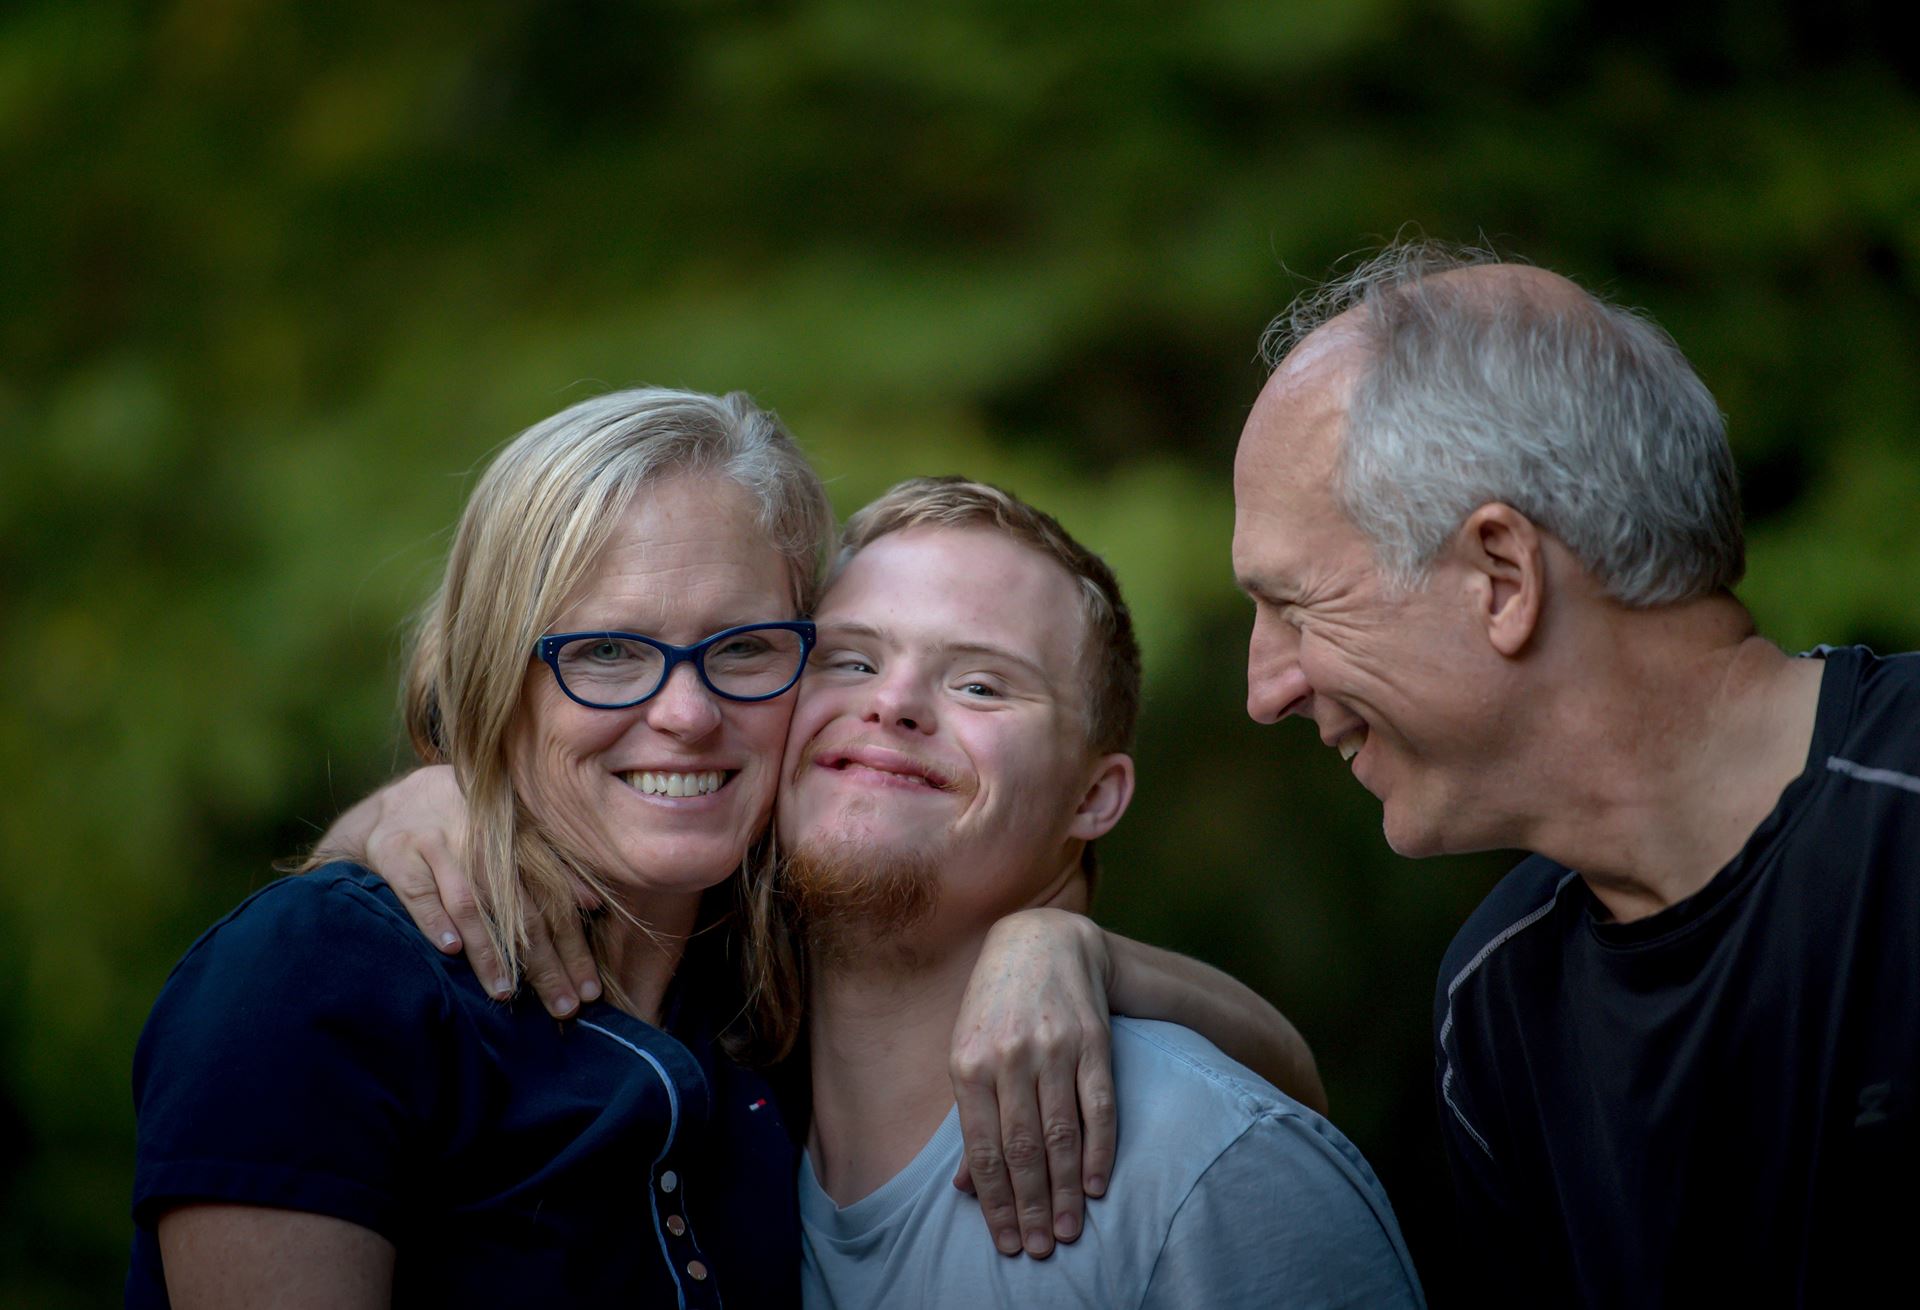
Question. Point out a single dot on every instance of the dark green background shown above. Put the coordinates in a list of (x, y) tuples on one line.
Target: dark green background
[(274, 279)]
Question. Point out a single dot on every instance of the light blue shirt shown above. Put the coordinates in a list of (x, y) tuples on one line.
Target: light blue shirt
[(1225, 1192)]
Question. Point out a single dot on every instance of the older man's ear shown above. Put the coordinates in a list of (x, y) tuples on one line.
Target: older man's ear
[(1505, 557)]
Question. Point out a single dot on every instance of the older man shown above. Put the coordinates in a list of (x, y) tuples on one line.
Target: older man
[(961, 740), (1491, 528)]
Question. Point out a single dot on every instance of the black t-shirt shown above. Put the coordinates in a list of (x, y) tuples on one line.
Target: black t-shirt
[(1713, 1105), (314, 1052)]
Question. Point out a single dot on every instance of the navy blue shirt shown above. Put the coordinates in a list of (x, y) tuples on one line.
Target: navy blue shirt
[(1718, 1104), (314, 1052)]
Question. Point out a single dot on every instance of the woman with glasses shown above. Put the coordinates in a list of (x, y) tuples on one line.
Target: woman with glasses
[(334, 1110)]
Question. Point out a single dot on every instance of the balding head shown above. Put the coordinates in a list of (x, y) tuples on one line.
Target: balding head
[(1463, 381)]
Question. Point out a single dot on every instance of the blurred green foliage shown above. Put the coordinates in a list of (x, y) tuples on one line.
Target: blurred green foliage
[(275, 278)]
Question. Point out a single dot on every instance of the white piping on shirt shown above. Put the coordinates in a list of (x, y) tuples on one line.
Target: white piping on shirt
[(673, 1127), (1863, 773), (1446, 1025)]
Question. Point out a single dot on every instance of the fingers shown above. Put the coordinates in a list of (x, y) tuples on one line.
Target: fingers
[(1099, 1123), (456, 893), (576, 958), (981, 1160), (411, 878), (1025, 1149), (545, 973), (1060, 1136)]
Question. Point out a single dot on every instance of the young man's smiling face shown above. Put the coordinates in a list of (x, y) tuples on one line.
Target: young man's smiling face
[(944, 719)]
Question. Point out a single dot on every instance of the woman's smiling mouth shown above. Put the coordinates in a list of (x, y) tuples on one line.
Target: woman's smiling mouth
[(655, 782)]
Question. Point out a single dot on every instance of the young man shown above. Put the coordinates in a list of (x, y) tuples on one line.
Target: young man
[(960, 745), (1491, 529)]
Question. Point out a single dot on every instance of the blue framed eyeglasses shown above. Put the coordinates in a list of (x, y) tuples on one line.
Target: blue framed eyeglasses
[(617, 670)]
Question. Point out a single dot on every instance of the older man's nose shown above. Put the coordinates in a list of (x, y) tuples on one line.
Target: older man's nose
[(1276, 685)]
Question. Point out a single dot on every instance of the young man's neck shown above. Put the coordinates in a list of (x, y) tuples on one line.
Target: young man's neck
[(879, 1028), (1675, 749)]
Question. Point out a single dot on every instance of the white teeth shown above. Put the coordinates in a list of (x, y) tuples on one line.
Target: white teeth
[(675, 784), (1349, 745)]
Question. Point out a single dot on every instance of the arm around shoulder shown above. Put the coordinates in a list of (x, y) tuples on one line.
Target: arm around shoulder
[(1151, 983)]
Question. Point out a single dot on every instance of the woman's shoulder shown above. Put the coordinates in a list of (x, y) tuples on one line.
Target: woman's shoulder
[(329, 944), (341, 908), (296, 1056)]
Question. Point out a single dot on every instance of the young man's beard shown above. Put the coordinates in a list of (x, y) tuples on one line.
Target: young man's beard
[(855, 899)]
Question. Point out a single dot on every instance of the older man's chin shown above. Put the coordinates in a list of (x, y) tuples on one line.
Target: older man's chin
[(1418, 832)]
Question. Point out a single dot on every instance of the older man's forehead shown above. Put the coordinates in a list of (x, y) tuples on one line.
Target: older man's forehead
[(1331, 349)]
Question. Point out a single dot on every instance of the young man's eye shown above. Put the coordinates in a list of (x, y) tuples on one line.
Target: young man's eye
[(979, 689)]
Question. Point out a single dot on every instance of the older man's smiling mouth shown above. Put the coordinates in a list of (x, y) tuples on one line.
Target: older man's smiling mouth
[(1350, 743)]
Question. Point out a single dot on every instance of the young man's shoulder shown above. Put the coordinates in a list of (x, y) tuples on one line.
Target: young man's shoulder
[(1173, 1073), (1239, 1190), (1183, 1104)]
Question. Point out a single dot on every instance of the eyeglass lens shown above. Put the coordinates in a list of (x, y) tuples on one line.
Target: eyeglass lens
[(616, 671)]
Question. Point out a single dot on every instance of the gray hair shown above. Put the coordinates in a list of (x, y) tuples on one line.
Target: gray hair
[(1583, 416), (531, 535)]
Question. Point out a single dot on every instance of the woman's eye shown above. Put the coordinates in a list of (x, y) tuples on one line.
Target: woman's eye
[(608, 652)]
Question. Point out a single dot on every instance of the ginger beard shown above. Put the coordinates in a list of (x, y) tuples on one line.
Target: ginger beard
[(853, 893)]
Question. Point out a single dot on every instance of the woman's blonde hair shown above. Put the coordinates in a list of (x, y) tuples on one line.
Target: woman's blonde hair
[(530, 537)]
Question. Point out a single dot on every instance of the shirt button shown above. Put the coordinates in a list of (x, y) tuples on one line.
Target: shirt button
[(669, 1180), (676, 1225), (696, 1271)]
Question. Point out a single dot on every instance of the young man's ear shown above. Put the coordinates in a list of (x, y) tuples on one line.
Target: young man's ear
[(1109, 791), (1506, 574)]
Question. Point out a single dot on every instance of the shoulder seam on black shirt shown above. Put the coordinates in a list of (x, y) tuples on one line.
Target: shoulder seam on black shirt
[(1868, 774), (1498, 940)]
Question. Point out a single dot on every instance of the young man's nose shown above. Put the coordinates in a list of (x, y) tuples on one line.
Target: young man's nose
[(902, 700)]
